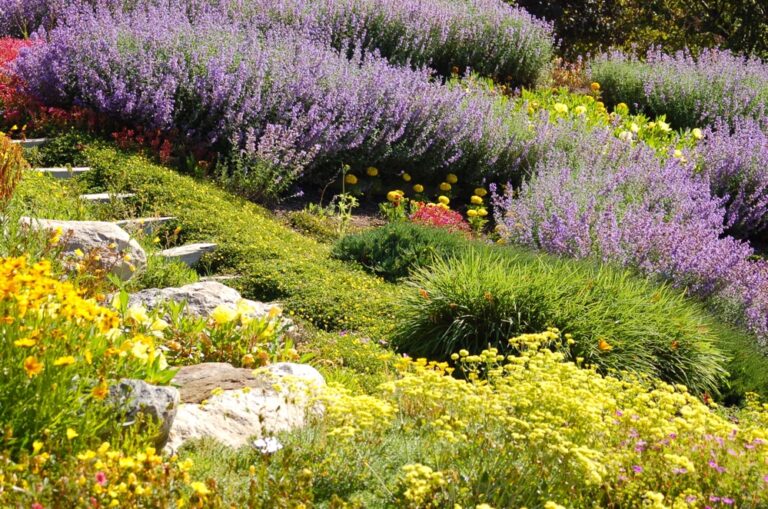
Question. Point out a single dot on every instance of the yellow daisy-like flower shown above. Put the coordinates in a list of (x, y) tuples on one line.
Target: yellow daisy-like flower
[(32, 366), (200, 488), (67, 360), (100, 391), (24, 342)]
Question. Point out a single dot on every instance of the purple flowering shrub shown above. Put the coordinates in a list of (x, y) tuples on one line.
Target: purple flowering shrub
[(691, 91), (735, 162), (218, 85), (593, 195), (488, 36)]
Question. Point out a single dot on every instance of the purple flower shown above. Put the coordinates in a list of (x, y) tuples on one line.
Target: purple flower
[(637, 469), (713, 464)]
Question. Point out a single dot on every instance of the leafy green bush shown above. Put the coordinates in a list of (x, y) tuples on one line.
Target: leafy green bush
[(275, 262), (619, 322), (394, 250)]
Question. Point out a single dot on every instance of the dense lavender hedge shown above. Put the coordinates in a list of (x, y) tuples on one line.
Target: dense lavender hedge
[(218, 84), (690, 91), (734, 160), (488, 36), (593, 195)]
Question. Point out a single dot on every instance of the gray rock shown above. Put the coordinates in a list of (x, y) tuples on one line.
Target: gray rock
[(136, 398), (189, 253), (96, 237), (145, 224), (241, 404), (31, 142), (201, 298)]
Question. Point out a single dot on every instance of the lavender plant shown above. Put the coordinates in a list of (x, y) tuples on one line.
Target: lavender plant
[(691, 91), (735, 162), (220, 85), (593, 195), (488, 36)]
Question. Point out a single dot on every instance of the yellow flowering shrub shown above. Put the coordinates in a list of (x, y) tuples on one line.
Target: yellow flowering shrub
[(60, 352)]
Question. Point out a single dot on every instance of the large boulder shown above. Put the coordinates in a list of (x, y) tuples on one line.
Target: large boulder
[(201, 298), (115, 249), (234, 405), (141, 402)]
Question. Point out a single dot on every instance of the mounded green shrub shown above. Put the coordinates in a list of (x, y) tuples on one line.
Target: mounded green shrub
[(618, 322), (394, 250), (274, 262)]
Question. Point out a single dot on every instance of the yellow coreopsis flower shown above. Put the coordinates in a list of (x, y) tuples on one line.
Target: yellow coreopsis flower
[(67, 360), (32, 366)]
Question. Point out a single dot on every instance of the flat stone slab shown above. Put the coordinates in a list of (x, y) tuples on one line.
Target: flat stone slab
[(146, 224), (31, 142), (105, 197), (220, 278), (189, 253), (63, 173)]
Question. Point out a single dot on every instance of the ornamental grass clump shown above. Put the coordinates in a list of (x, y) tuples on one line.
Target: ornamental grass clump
[(12, 164), (621, 323), (690, 91)]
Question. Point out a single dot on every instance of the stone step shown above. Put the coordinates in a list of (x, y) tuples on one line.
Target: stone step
[(146, 224), (219, 278), (63, 173), (189, 253), (31, 142), (105, 197)]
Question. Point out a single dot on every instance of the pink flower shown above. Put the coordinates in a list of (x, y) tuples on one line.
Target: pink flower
[(37, 505), (101, 478)]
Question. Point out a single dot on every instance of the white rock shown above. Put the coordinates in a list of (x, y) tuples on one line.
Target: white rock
[(105, 197), (96, 237), (201, 298), (31, 142), (281, 402), (145, 224), (189, 253), (63, 173)]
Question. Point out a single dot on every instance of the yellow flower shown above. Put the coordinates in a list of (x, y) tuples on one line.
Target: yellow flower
[(678, 153), (223, 314), (406, 177), (595, 86), (372, 171), (79, 253), (443, 199), (697, 133), (32, 366), (476, 200), (445, 186), (480, 191), (56, 237), (395, 196), (137, 313), (67, 360), (274, 311), (604, 346), (451, 178), (100, 391), (24, 342), (621, 109), (664, 126), (634, 127), (156, 240), (200, 488), (580, 109), (561, 108), (71, 434), (482, 212), (472, 213), (36, 446), (418, 188), (350, 179)]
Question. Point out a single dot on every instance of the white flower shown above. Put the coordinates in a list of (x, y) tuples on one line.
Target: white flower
[(267, 445)]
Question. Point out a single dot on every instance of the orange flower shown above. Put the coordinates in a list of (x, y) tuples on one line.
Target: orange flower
[(604, 346), (32, 366), (100, 391)]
